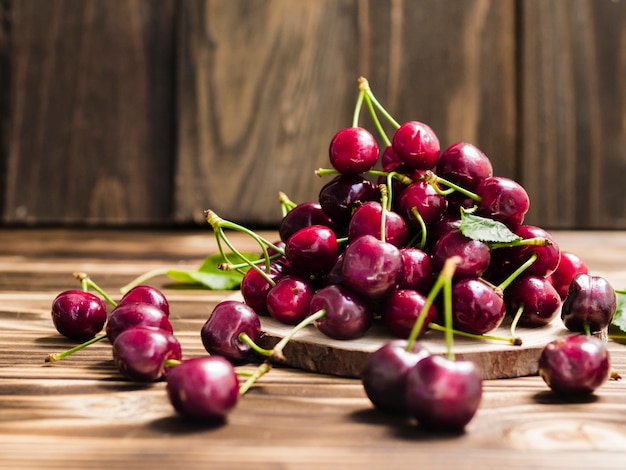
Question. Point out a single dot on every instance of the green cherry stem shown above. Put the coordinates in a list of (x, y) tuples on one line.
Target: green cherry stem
[(54, 357), (286, 204), (141, 279), (245, 338), (263, 369), (357, 108), (384, 199), (277, 350), (515, 274), (87, 283), (430, 177), (423, 229), (365, 86), (377, 124), (507, 339), (516, 318)]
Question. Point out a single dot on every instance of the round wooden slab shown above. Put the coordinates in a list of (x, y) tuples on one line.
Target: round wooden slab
[(312, 351)]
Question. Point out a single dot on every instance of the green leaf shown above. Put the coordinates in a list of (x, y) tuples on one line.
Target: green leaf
[(210, 275), (618, 323), (485, 230)]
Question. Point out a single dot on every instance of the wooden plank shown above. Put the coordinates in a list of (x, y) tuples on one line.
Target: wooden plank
[(573, 102), (259, 104), (90, 133)]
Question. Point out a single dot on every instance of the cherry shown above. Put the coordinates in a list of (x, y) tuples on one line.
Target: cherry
[(538, 298), (443, 394), (417, 145), (78, 314), (130, 314), (255, 286), (548, 256), (477, 307), (570, 264), (503, 199), (367, 220), (341, 195), (475, 255), (203, 389), (353, 150), (140, 353), (221, 332), (146, 295), (371, 267), (389, 159), (465, 165), (422, 197), (401, 309), (347, 315), (303, 215), (384, 374), (574, 365), (288, 301), (417, 270), (590, 304), (312, 249)]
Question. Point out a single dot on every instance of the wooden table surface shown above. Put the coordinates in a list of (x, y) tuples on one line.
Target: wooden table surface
[(79, 413)]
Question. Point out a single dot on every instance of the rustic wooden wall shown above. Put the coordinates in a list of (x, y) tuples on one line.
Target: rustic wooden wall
[(137, 112)]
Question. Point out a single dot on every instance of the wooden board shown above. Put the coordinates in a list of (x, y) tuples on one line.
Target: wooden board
[(312, 351)]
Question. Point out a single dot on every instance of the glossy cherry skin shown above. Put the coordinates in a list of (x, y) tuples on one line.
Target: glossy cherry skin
[(475, 255), (288, 301), (303, 215), (147, 295), (371, 267), (540, 300), (417, 145), (221, 332), (421, 196), (203, 389), (353, 150), (139, 353), (254, 288), (417, 270), (130, 314), (384, 374), (476, 307), (367, 218), (401, 310), (442, 394), (548, 256), (347, 316), (341, 195), (464, 164), (504, 200), (312, 250), (575, 365), (592, 301), (78, 315), (570, 264)]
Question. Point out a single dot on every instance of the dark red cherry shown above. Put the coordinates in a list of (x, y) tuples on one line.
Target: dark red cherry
[(569, 266), (548, 256), (591, 301), (312, 249), (575, 365), (353, 150), (401, 310), (464, 164), (78, 315), (504, 200), (288, 301), (341, 195), (147, 295), (417, 270), (417, 145), (303, 215), (384, 374), (475, 255), (130, 314), (367, 220), (221, 332), (255, 286), (540, 300), (203, 389), (347, 316), (422, 197), (442, 394), (139, 353), (476, 306)]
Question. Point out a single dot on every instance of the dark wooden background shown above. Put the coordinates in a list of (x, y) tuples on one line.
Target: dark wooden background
[(138, 112)]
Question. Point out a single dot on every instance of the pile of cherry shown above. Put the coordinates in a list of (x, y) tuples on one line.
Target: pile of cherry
[(403, 234)]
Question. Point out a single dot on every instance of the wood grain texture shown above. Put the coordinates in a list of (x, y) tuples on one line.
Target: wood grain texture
[(573, 137), (89, 137), (259, 100), (80, 414)]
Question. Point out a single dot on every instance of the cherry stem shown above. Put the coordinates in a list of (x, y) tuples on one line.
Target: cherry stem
[(286, 204), (516, 318), (171, 362), (507, 339), (447, 305), (245, 338), (424, 230), (536, 241), (357, 108), (86, 283), (449, 265), (430, 177), (384, 200), (365, 86), (277, 350), (263, 369), (143, 278), (515, 274), (377, 124), (587, 328), (64, 354)]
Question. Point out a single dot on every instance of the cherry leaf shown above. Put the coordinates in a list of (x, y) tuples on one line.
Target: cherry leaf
[(210, 276), (618, 323), (485, 230)]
